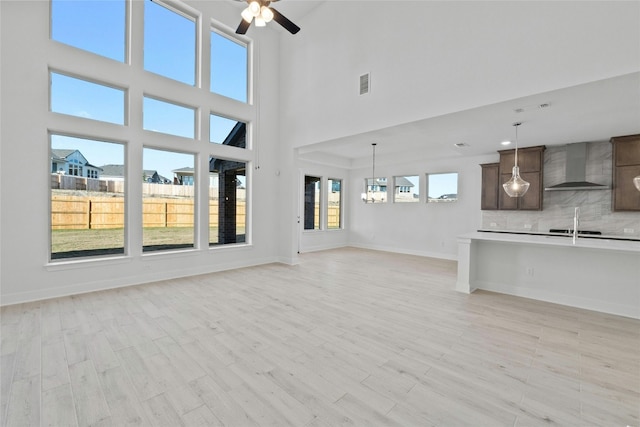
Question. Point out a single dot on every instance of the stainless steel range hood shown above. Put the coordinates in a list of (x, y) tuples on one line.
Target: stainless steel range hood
[(576, 171)]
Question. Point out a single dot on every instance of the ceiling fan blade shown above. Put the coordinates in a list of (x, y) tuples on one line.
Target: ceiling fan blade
[(284, 21), (243, 27)]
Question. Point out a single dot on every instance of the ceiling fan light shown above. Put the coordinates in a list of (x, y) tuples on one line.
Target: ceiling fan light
[(247, 15), (254, 8), (266, 13), (260, 22)]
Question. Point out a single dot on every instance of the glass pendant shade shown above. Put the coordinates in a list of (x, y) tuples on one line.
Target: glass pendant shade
[(636, 182), (516, 186)]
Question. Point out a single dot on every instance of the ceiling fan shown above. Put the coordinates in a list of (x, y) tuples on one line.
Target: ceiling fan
[(260, 11)]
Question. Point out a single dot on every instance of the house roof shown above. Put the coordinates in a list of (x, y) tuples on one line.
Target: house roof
[(57, 158), (59, 154), (113, 170), (184, 171), (401, 181), (62, 153), (238, 136)]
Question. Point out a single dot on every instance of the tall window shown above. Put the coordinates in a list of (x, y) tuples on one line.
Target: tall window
[(87, 212), (227, 131), (95, 26), (227, 201), (334, 204), (169, 43), (169, 118), (312, 202), (228, 67), (167, 204), (82, 98), (442, 187), (92, 168), (406, 189)]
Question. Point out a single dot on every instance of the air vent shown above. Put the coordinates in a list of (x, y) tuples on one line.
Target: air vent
[(364, 84)]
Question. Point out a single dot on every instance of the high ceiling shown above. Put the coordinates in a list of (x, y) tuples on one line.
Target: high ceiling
[(589, 112), (586, 113)]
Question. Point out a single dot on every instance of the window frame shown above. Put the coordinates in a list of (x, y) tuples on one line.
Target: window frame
[(397, 189), (124, 90), (130, 76), (240, 39), (319, 201), (61, 261), (340, 204), (196, 116), (442, 201), (375, 183), (191, 14)]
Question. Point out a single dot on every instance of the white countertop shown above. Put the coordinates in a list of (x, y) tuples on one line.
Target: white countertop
[(602, 243)]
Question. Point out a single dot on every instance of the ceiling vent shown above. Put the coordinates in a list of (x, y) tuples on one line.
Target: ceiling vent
[(364, 84)]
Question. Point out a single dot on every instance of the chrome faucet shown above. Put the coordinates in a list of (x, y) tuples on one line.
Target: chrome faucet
[(576, 221)]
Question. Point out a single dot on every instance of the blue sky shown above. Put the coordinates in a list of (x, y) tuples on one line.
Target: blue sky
[(98, 26)]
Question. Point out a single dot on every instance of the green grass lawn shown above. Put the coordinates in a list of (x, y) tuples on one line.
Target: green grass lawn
[(87, 242)]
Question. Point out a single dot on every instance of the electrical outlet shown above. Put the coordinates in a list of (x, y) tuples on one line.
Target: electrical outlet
[(629, 231), (527, 226), (529, 271), (493, 224)]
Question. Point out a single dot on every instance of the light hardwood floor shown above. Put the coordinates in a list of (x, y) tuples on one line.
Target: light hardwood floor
[(348, 337)]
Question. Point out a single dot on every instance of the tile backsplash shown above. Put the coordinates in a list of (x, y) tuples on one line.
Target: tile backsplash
[(558, 206)]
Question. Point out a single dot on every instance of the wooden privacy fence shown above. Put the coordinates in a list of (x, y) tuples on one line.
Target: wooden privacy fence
[(70, 182), (74, 212)]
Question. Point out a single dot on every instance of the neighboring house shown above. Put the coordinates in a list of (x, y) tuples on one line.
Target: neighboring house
[(403, 188), (58, 164), (152, 176), (237, 137), (112, 172), (72, 162), (183, 176)]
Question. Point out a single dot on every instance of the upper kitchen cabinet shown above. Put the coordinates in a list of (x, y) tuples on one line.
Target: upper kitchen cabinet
[(490, 186), (531, 162), (626, 166)]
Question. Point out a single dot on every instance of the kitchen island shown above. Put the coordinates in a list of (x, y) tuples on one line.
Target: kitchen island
[(601, 274)]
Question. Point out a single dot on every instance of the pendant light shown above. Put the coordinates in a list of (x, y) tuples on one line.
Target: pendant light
[(516, 186), (365, 196)]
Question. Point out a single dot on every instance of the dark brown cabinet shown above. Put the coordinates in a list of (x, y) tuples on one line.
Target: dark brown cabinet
[(490, 185), (626, 166), (530, 161)]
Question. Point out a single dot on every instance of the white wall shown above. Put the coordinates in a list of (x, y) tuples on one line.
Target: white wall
[(27, 53), (436, 57), (428, 59), (428, 229)]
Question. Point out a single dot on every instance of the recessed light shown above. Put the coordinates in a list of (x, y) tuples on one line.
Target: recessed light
[(505, 143)]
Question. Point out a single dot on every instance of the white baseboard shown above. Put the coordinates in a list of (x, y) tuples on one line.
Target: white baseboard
[(148, 277), (437, 255)]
